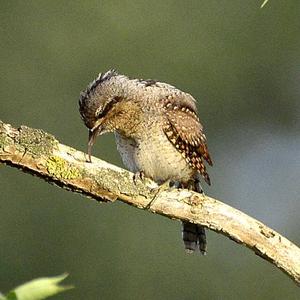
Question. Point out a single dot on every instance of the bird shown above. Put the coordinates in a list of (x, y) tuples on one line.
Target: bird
[(157, 131)]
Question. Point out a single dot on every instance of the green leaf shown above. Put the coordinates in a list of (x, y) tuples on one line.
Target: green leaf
[(38, 289), (264, 3), (11, 296)]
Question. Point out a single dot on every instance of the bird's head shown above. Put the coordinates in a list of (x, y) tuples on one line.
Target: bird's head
[(95, 103)]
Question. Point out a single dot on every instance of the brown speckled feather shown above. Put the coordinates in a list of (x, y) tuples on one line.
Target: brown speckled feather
[(157, 132), (185, 132)]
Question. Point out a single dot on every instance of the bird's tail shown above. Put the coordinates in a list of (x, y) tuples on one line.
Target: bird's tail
[(193, 235)]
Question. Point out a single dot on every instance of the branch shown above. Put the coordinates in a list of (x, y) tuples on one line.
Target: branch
[(39, 153)]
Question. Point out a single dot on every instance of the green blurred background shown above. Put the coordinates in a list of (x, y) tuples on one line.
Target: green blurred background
[(240, 62)]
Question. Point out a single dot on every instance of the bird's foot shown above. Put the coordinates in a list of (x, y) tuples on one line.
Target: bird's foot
[(138, 176)]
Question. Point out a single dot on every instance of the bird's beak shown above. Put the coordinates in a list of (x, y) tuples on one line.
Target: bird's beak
[(92, 137)]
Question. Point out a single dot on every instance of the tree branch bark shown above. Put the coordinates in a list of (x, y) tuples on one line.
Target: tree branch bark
[(39, 153)]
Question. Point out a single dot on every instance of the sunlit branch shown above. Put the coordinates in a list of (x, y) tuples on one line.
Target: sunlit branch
[(39, 153)]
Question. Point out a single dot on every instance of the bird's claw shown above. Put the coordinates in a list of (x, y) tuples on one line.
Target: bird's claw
[(138, 176)]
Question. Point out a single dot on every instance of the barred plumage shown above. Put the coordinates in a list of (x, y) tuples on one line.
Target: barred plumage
[(184, 130), (157, 132)]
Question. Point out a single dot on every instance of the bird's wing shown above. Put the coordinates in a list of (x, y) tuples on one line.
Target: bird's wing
[(185, 132)]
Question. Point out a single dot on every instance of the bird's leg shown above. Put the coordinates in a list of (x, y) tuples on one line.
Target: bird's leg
[(198, 187)]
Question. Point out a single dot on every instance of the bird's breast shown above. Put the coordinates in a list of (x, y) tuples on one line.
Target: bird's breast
[(155, 156)]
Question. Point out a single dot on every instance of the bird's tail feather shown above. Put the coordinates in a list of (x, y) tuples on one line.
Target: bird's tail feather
[(193, 235)]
